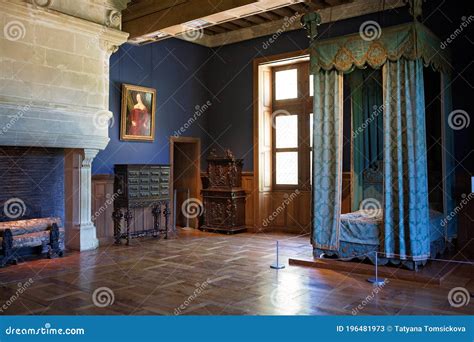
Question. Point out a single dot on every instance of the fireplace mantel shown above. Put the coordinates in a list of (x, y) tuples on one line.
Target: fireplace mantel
[(54, 89), (55, 84)]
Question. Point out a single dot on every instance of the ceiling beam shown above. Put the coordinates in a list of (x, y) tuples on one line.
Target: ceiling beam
[(255, 19), (269, 16), (216, 29), (141, 22), (316, 4), (229, 26), (241, 23), (144, 7), (328, 14), (283, 12)]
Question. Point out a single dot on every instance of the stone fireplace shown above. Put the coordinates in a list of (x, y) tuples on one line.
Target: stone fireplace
[(32, 183), (54, 86)]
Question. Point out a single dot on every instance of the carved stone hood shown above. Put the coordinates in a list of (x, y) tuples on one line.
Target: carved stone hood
[(54, 77)]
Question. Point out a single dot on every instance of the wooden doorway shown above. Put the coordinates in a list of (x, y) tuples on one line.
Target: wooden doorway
[(185, 160)]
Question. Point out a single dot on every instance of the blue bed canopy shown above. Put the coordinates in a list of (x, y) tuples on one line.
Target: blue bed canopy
[(403, 227)]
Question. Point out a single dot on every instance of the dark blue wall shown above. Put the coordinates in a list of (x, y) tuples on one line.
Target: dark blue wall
[(176, 69)]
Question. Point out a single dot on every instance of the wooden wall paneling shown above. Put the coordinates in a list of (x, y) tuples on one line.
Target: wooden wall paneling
[(346, 206), (292, 217), (278, 209), (102, 206), (247, 184)]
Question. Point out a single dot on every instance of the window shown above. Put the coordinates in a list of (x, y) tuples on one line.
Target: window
[(292, 117)]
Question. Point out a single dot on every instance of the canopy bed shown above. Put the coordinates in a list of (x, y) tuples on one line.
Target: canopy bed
[(391, 213)]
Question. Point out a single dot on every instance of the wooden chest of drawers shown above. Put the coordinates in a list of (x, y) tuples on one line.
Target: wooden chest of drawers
[(139, 186)]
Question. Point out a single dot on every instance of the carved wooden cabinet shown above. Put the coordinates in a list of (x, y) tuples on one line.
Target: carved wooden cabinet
[(140, 186), (224, 199)]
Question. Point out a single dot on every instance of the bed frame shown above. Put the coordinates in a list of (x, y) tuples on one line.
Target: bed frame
[(373, 188)]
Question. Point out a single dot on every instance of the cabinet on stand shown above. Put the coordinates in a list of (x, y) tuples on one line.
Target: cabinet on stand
[(224, 199), (141, 186)]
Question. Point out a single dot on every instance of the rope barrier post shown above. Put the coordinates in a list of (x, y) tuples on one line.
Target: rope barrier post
[(376, 281), (277, 266)]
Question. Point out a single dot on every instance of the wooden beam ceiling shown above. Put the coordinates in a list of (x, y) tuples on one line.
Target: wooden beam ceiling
[(223, 22), (140, 19)]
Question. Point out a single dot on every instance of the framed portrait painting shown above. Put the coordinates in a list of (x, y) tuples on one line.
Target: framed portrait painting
[(137, 119)]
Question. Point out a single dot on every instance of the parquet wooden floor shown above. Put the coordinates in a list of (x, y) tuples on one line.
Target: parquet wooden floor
[(211, 274)]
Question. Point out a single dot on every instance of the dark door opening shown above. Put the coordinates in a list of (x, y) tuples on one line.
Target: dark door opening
[(185, 159)]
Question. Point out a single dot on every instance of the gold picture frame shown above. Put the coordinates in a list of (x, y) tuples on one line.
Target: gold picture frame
[(137, 116)]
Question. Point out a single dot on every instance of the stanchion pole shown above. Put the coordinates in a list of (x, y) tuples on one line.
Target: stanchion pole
[(376, 281), (277, 266)]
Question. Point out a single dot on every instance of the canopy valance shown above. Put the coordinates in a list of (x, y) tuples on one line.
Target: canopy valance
[(410, 41)]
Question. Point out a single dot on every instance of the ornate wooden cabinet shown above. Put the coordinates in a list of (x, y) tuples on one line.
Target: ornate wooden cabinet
[(139, 186), (224, 199)]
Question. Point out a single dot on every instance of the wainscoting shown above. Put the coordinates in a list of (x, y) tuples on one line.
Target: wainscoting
[(290, 211), (102, 208), (285, 211)]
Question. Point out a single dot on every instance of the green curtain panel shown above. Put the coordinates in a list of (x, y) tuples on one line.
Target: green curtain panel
[(327, 159), (367, 126), (406, 233)]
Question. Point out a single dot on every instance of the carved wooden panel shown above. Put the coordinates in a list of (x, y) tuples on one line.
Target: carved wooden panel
[(224, 199)]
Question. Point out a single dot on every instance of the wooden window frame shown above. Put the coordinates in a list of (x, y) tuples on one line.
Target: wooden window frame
[(302, 106)]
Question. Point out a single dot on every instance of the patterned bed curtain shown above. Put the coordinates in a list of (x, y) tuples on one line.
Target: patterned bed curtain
[(327, 159), (406, 212), (448, 153), (367, 126)]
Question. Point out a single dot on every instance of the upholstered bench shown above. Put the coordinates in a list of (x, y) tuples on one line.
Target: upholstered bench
[(45, 233)]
